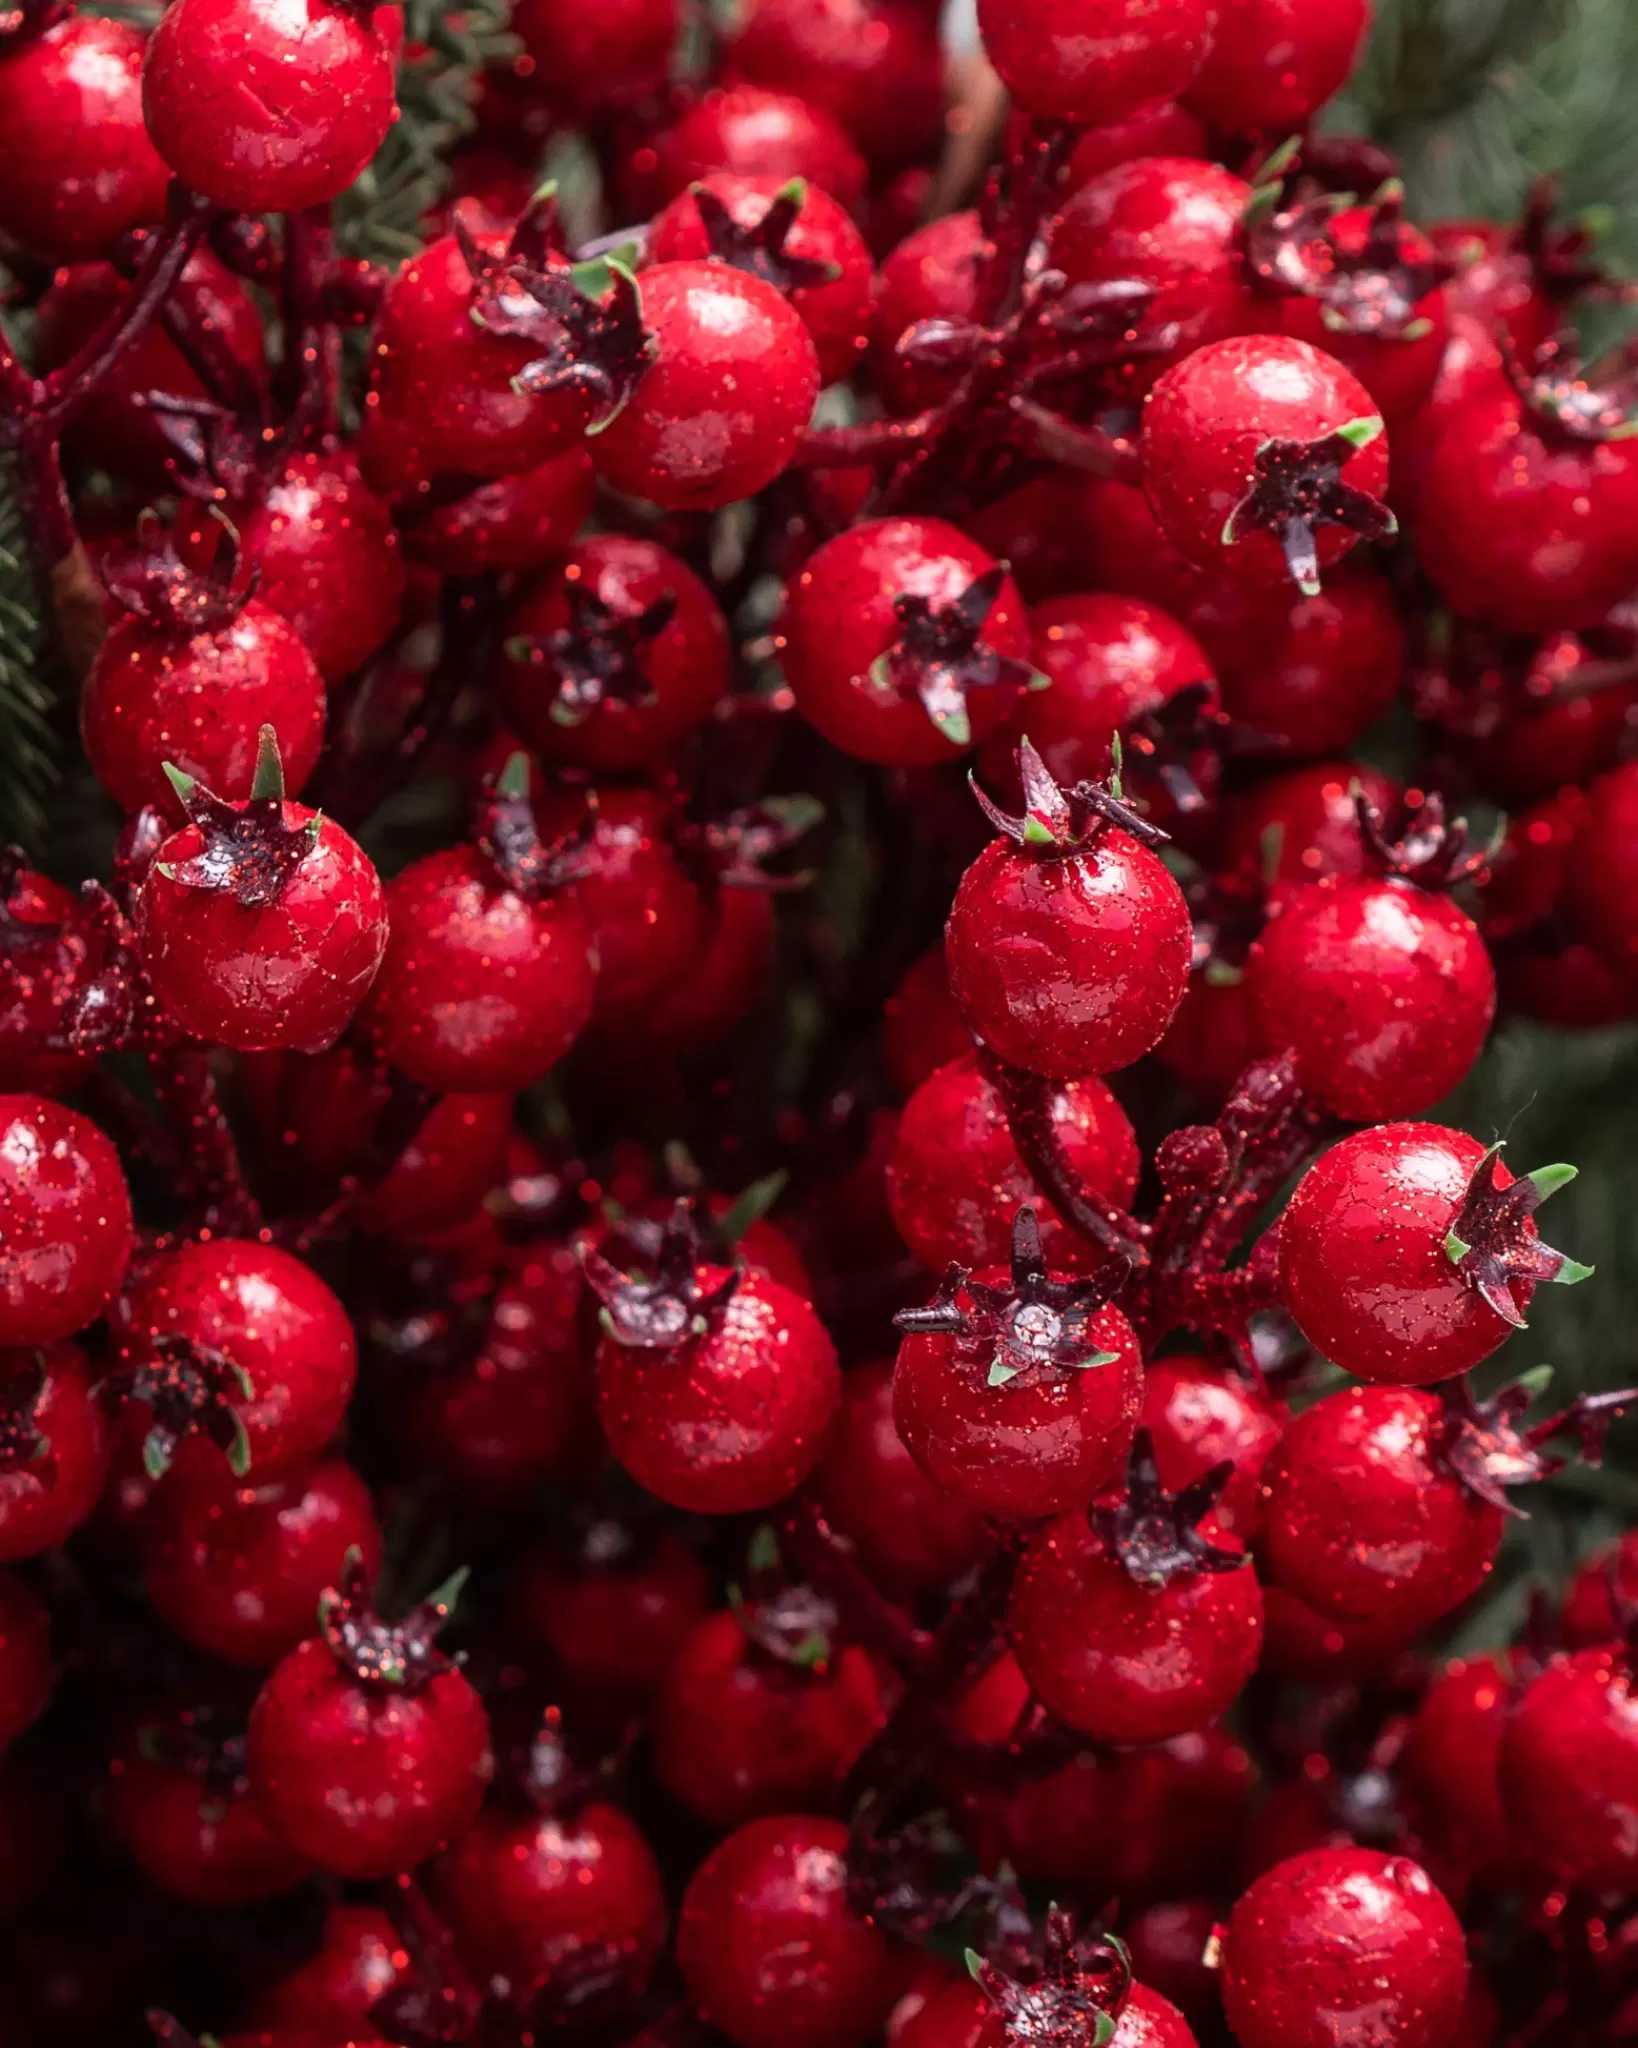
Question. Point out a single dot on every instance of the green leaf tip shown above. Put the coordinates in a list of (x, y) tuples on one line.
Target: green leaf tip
[(268, 781)]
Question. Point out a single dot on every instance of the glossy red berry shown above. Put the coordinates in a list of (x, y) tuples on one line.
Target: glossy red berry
[(76, 166), (65, 1221), (368, 1749), (1407, 1254), (1603, 1586), (956, 1183), (728, 354), (46, 941), (755, 133), (933, 274), (1131, 1621), (1199, 1413), (1363, 1515), (242, 1343), (264, 109), (360, 1958), (910, 1535), (1088, 61), (763, 1711), (595, 59), (1602, 873), (1328, 1935), (25, 1656), (1569, 1768), (771, 1950), (455, 1159), (872, 65), (55, 1448), (1068, 941), (1015, 1392), (260, 924), (1303, 825), (1264, 457), (793, 236), (511, 522), (716, 1389), (921, 1026), (1314, 1649), (236, 1566), (728, 978), (960, 2015), (613, 1614), (904, 642), (616, 657), (1274, 63), (1452, 1765)]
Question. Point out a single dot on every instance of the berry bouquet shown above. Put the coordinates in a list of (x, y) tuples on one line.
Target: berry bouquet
[(739, 1303)]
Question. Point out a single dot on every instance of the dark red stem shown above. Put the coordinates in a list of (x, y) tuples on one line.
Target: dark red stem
[(215, 1174), (876, 441), (868, 1617), (1028, 1101)]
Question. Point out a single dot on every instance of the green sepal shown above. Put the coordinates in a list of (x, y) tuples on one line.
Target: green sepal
[(811, 1652), (1547, 1180), (1571, 1273), (750, 1205), (448, 1594), (1455, 1249), (513, 780), (1103, 2030), (1416, 330), (1035, 833), (956, 727), (1271, 846), (1095, 1358), (238, 1452), (1533, 1383), (183, 783), (1038, 681), (999, 1373), (794, 192), (1362, 432), (762, 1552), (1221, 974), (1117, 758), (268, 780), (592, 279), (156, 1460), (521, 648), (974, 1962)]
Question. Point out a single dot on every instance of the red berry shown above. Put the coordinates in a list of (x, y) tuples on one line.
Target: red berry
[(616, 658), (1273, 63), (756, 134), (1132, 1623), (1602, 873), (613, 1617), (1068, 941), (910, 1535), (1377, 305), (872, 65), (1397, 1243), (178, 1801), (537, 1900), (955, 1181), (727, 394), (761, 1711), (728, 976), (261, 924), (1312, 671), (1015, 1392), (451, 1163), (1089, 61), (770, 1948), (360, 1959), (236, 1568), (1266, 458), (25, 1656), (1364, 1519), (1569, 1768), (55, 1448), (1314, 1649), (512, 522), (959, 2015), (479, 988), (244, 1344), (1383, 991), (65, 1221), (266, 109), (592, 59), (45, 942), (1304, 824), (794, 237), (933, 274), (1608, 1580), (1172, 223), (368, 1749), (716, 1392), (1198, 1413), (76, 166), (921, 1026), (1452, 1765), (904, 642), (1324, 1937), (1165, 130)]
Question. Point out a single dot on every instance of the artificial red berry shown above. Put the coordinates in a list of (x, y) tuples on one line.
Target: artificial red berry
[(792, 236), (1600, 1592), (770, 1947), (961, 2015), (1317, 1650), (1452, 1764), (1130, 1621), (1603, 871), (921, 1026), (755, 133), (1088, 61), (716, 1387), (763, 1710), (455, 1159), (614, 659), (261, 924), (55, 1448), (1199, 1413), (189, 676), (178, 1801), (512, 522), (727, 979), (264, 109), (903, 642), (25, 1656), (594, 59), (65, 1221), (1015, 1392), (241, 1343), (1068, 941), (1364, 1515), (933, 274), (1407, 1254), (45, 943), (1273, 63), (76, 166), (728, 353), (360, 1958), (1303, 825), (910, 1535), (1165, 130), (236, 1566), (955, 1181), (368, 1749), (872, 65), (1264, 457), (1569, 1763)]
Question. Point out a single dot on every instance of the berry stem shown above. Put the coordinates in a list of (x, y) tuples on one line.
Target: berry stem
[(868, 1616), (215, 1174), (875, 441), (1028, 1101)]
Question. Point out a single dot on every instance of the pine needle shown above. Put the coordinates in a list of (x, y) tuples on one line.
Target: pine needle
[(28, 763)]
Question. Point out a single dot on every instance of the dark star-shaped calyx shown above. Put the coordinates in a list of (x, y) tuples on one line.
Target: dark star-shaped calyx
[(1429, 850), (397, 1656), (941, 654), (1067, 1995), (1156, 1534), (1491, 1244), (248, 851), (188, 1389), (601, 656), (759, 247), (1297, 487), (678, 1300), (1372, 290), (1488, 1447), (156, 583), (1057, 822), (507, 833)]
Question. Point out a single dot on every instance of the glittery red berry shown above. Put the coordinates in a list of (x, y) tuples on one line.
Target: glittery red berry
[(873, 65), (1452, 1765), (771, 1950), (1198, 1413), (933, 274), (46, 942), (1322, 1937), (1304, 824), (1569, 1768), (65, 1221), (512, 522), (728, 977), (1273, 63), (1600, 1592), (1131, 1621), (360, 1958), (55, 1447), (266, 109), (755, 133), (1086, 61), (921, 1026), (1165, 130), (1068, 941), (1602, 873), (594, 59)]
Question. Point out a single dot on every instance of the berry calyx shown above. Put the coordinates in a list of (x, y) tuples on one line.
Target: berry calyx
[(758, 247), (1156, 1534), (680, 1298), (1489, 1244), (399, 1656), (941, 654), (1487, 1450), (1067, 1996), (1298, 486), (1058, 821), (247, 850), (601, 655), (189, 1389)]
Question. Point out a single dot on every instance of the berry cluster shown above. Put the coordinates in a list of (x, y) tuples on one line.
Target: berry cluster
[(659, 1368)]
